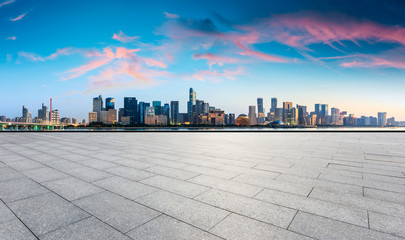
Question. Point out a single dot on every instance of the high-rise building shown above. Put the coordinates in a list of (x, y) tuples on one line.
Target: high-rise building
[(166, 112), (382, 119), (92, 117), (324, 110), (302, 115), (260, 111), (174, 112), (317, 109), (142, 111), (291, 116), (131, 109), (232, 120), (335, 116), (43, 113), (252, 115), (121, 115), (109, 103), (98, 106), (286, 105), (112, 116), (191, 102), (278, 114), (55, 117), (24, 112), (158, 107), (104, 117), (273, 105)]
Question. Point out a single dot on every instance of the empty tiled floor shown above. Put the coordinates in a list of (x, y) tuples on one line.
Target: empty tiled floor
[(202, 185)]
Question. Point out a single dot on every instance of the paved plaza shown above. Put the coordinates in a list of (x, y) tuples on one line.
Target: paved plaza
[(202, 185)]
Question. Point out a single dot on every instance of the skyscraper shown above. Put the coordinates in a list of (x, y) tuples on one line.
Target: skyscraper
[(43, 113), (109, 103), (260, 111), (252, 115), (191, 102), (382, 119), (98, 106), (158, 107), (286, 105), (174, 112), (302, 115), (335, 116), (166, 112), (131, 109), (142, 111), (273, 105)]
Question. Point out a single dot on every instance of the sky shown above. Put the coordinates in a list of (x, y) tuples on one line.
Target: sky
[(348, 54)]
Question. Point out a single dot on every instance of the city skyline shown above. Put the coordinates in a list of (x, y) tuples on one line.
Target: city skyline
[(138, 112), (340, 53)]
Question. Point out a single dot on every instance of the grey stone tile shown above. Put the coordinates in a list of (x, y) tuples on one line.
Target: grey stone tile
[(365, 183), (176, 186), (130, 173), (72, 188), (367, 170), (46, 212), (385, 195), (388, 179), (328, 229), (165, 227), (86, 229), (5, 213), (9, 174), (243, 228), (171, 172), (190, 211), (305, 172), (87, 174), (44, 174), (24, 165), (16, 189), (98, 164), (63, 165), (211, 172), (260, 210), (326, 209), (322, 184), (360, 202), (229, 186), (15, 230), (303, 190), (133, 163), (124, 187), (119, 212), (388, 224)]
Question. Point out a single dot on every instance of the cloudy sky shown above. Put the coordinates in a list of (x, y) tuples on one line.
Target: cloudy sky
[(348, 54)]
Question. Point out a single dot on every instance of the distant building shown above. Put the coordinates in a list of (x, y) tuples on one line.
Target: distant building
[(55, 117), (158, 107), (174, 112), (242, 120), (382, 119), (232, 120), (104, 117), (74, 121), (142, 111), (286, 105), (191, 102), (260, 111), (43, 114), (252, 115), (291, 116), (92, 117), (112, 116), (98, 106), (335, 116), (273, 105), (3, 119), (278, 114), (166, 112), (303, 119), (109, 103), (131, 109)]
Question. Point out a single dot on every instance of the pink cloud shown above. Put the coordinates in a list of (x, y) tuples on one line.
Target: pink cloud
[(12, 38), (303, 29), (215, 59), (153, 63), (122, 37), (264, 56), (60, 52), (171, 15), (19, 17), (217, 76), (371, 62), (6, 3), (79, 71)]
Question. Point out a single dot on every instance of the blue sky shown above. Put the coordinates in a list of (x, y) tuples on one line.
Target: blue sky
[(349, 55)]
